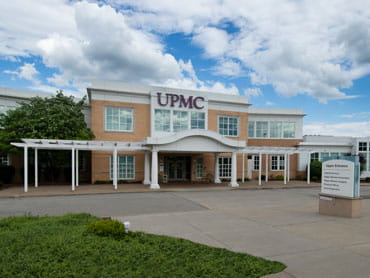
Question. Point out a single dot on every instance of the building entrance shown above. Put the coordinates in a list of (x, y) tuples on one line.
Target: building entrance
[(177, 168)]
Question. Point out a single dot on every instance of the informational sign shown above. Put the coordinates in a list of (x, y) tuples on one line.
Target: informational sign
[(341, 177)]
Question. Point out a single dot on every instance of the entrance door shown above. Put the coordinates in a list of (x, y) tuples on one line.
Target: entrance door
[(177, 168)]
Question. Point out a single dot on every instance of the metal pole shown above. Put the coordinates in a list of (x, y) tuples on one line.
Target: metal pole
[(77, 168), (267, 167), (309, 169), (115, 183), (36, 168), (73, 169), (285, 166), (25, 169), (260, 169), (243, 168)]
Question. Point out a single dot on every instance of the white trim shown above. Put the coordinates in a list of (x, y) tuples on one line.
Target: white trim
[(195, 132)]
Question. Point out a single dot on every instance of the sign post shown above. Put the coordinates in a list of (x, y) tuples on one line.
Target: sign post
[(340, 187)]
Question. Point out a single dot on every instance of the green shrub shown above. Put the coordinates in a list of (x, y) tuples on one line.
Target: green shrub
[(7, 173), (279, 178), (246, 179), (107, 228), (367, 179), (315, 170), (315, 178), (239, 180), (102, 182), (1, 184), (263, 177), (300, 177)]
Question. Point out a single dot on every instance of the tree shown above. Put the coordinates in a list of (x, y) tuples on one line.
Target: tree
[(57, 117)]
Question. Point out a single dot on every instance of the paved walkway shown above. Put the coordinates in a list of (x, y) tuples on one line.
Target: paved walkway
[(278, 224), (57, 190)]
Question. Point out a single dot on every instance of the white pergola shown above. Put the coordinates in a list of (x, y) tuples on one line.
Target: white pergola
[(286, 151), (74, 146)]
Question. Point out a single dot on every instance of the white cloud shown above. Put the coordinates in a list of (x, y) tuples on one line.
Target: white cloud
[(299, 47), (269, 103), (228, 68), (253, 92), (356, 129), (214, 41), (27, 71), (358, 115)]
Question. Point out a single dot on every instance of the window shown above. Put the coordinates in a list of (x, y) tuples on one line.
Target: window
[(118, 119), (180, 121), (162, 120), (289, 130), (4, 160), (277, 162), (362, 146), (324, 156), (126, 167), (261, 129), (256, 162), (199, 167), (224, 164), (315, 156), (363, 159), (251, 129), (275, 129), (197, 120), (228, 126)]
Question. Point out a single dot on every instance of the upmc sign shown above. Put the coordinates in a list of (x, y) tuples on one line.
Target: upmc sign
[(180, 101)]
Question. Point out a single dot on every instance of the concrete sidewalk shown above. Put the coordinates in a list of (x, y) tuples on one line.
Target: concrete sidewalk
[(59, 190)]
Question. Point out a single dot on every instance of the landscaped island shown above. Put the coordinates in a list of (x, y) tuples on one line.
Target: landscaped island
[(62, 247)]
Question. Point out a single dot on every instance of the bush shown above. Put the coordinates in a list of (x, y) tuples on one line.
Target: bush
[(7, 173), (300, 177), (1, 184), (367, 179), (246, 179), (279, 178), (263, 177), (315, 178), (102, 182), (315, 170), (107, 228)]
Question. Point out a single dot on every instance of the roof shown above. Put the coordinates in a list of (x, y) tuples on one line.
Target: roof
[(122, 87), (276, 111)]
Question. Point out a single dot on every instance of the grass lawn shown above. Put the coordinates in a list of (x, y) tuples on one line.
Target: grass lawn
[(59, 247)]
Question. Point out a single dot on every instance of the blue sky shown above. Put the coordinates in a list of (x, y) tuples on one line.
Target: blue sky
[(282, 54)]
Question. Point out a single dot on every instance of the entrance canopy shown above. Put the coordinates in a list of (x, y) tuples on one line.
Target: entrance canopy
[(187, 141)]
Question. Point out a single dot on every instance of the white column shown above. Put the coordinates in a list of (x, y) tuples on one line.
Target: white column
[(309, 168), (260, 169), (36, 169), (73, 170), (243, 169), (25, 169), (285, 166), (234, 168), (146, 169), (288, 163), (217, 170), (154, 183), (77, 169), (115, 182), (267, 167)]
